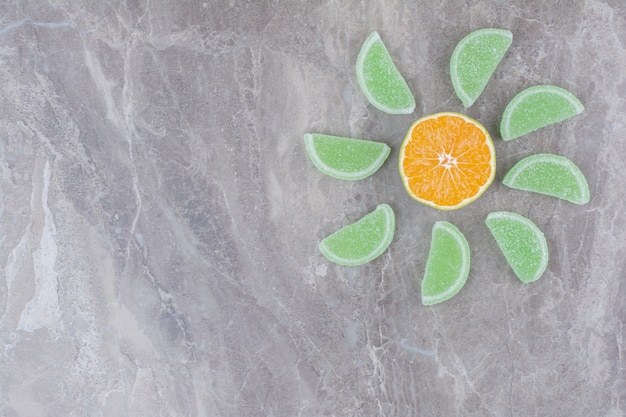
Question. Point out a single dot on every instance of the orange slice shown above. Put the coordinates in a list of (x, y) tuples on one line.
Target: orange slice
[(447, 160)]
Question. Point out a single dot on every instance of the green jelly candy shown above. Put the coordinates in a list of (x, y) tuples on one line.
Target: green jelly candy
[(521, 242), (474, 60), (551, 175), (537, 107), (448, 264), (362, 241), (345, 158), (379, 79)]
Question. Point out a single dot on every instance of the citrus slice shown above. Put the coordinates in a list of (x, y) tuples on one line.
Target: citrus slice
[(345, 158), (362, 241), (448, 264), (475, 59), (447, 160), (521, 242), (551, 175), (537, 107), (380, 80)]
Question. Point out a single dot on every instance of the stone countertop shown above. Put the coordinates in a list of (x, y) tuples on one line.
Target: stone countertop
[(160, 217)]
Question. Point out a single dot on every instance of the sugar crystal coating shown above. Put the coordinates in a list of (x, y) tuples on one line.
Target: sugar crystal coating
[(448, 264), (549, 174), (522, 243), (363, 240), (475, 59), (380, 80), (345, 158), (537, 107)]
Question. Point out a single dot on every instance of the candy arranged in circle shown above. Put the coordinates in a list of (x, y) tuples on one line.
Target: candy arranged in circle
[(549, 174), (447, 160), (448, 264), (474, 60), (362, 241), (379, 79), (537, 107), (345, 158), (522, 243)]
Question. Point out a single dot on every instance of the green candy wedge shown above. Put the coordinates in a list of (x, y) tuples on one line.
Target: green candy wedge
[(474, 60), (537, 107), (362, 241), (448, 264), (345, 158), (380, 80), (521, 242), (551, 175)]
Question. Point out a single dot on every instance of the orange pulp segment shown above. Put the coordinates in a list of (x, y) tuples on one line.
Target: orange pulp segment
[(447, 160)]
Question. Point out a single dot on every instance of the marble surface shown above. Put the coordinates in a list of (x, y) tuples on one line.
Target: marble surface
[(160, 218)]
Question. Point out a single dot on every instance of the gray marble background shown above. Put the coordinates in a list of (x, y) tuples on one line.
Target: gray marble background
[(159, 216)]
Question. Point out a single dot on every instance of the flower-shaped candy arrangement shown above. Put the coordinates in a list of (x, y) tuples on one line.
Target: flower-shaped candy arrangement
[(447, 160)]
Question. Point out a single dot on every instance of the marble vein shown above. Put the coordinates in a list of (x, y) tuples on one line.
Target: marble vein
[(43, 309)]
